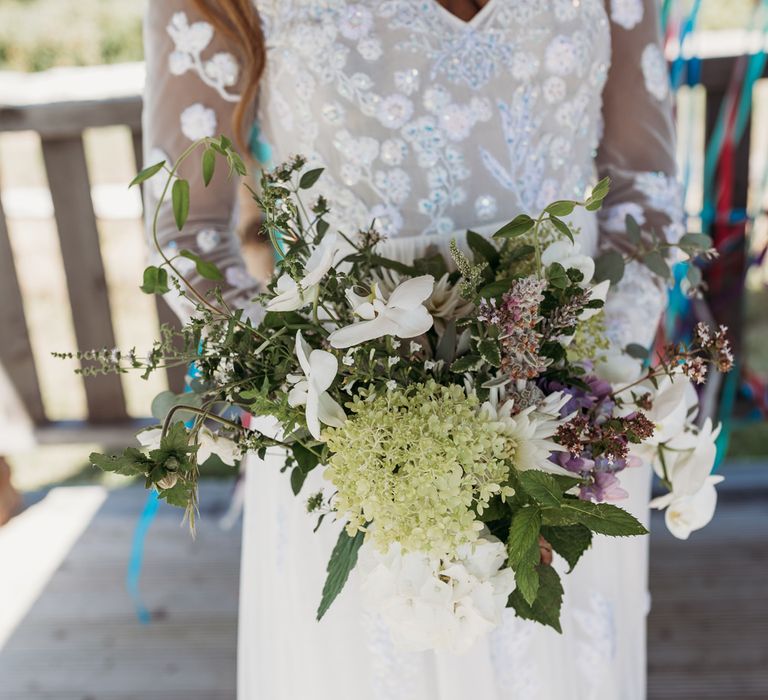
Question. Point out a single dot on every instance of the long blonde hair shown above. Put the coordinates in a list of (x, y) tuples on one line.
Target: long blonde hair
[(239, 21)]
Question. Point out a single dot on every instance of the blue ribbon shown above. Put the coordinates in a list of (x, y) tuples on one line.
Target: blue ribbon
[(136, 560)]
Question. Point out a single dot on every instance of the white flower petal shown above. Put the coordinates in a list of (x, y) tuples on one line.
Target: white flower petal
[(411, 293), (410, 322), (323, 367), (330, 412), (361, 332)]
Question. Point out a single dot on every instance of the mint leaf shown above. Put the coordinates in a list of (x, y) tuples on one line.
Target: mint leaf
[(542, 487), (603, 518), (489, 351), (609, 266), (562, 227), (342, 561), (523, 550), (569, 541), (204, 268), (546, 608)]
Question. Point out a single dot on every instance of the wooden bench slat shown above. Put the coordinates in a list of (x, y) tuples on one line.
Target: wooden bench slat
[(16, 350), (68, 180)]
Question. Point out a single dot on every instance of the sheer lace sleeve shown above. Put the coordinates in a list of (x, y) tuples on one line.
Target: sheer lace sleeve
[(191, 92), (637, 153)]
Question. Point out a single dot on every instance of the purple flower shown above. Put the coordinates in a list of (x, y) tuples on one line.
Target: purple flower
[(605, 487)]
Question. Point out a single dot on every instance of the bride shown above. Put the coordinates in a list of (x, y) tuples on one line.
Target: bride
[(429, 117)]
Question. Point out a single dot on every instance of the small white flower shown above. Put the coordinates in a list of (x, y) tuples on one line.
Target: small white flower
[(394, 111), (150, 439), (355, 22), (188, 38), (208, 240), (627, 13), (569, 255), (403, 314), (414, 347), (222, 68), (292, 295), (395, 343), (311, 390), (429, 365), (561, 56), (655, 73), (198, 121), (392, 360)]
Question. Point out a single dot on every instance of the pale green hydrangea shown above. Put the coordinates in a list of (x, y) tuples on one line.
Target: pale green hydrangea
[(414, 462), (590, 340)]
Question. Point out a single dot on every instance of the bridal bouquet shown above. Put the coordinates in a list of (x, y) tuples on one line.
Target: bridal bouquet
[(459, 409)]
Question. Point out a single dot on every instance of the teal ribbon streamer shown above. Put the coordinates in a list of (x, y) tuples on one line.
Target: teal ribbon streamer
[(136, 561)]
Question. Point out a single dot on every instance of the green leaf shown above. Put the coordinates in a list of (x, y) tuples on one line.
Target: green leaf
[(166, 400), (178, 496), (446, 348), (180, 201), (205, 268), (497, 288), (523, 550), (342, 561), (694, 276), (517, 227), (639, 352), (489, 351), (305, 458), (298, 477), (132, 462), (562, 227), (603, 518), (309, 178), (599, 191), (481, 246), (546, 608), (557, 276), (569, 541), (656, 263), (520, 251), (402, 268), (634, 231), (698, 241), (609, 266), (542, 487), (562, 207), (147, 173), (155, 280), (465, 363), (209, 165)]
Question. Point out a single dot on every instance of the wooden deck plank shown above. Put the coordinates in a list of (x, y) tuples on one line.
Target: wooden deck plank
[(708, 631)]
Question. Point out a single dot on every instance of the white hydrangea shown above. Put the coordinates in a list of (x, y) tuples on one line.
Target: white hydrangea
[(432, 604)]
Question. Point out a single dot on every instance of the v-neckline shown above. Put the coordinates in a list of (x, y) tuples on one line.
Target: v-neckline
[(465, 23)]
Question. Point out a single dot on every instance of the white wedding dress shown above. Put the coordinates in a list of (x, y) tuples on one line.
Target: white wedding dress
[(430, 125)]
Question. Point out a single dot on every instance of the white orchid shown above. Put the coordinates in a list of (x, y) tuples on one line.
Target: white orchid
[(569, 255), (689, 458), (293, 295), (311, 390), (686, 513), (403, 314), (209, 443)]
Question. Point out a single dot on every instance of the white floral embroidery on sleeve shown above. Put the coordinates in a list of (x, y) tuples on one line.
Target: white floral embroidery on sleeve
[(198, 122), (627, 13), (190, 40), (655, 72)]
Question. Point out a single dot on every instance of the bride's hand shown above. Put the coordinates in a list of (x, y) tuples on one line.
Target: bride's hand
[(545, 549)]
